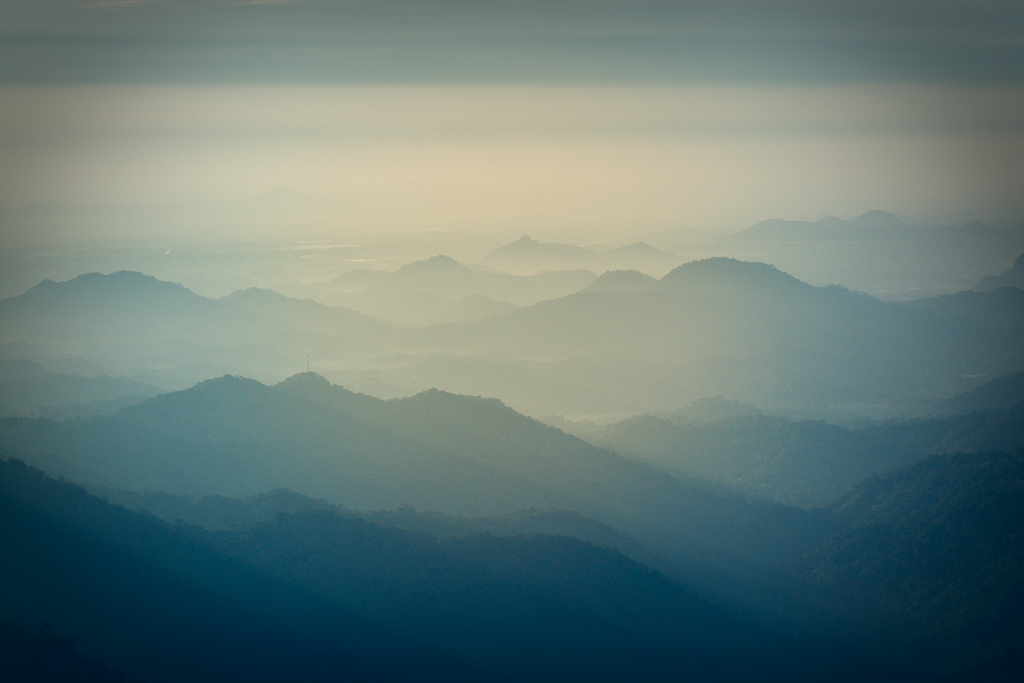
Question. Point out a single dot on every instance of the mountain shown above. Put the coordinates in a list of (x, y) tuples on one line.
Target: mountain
[(728, 274), (1011, 277), (978, 230), (27, 388), (877, 253), (625, 281), (222, 513), (132, 324), (872, 225), (829, 227), (441, 289), (640, 256), (212, 512), (997, 393), (527, 256), (317, 595), (932, 556), (434, 451), (746, 331), (743, 330), (641, 250), (806, 463), (234, 436), (880, 223), (109, 297), (161, 603), (889, 568), (531, 607)]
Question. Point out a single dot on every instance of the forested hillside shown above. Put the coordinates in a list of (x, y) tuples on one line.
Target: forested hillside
[(931, 555), (435, 451), (157, 602), (799, 462), (366, 602)]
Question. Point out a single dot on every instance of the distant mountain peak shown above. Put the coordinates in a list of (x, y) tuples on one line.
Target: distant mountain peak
[(305, 381), (435, 395), (875, 224), (622, 281), (877, 214), (526, 246), (121, 283), (832, 222), (725, 264), (880, 218), (223, 390), (223, 381), (255, 293), (721, 270), (132, 276), (434, 264)]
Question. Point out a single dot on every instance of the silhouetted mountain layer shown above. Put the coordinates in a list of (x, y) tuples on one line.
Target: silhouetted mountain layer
[(529, 255), (317, 596), (130, 322), (995, 394), (933, 556), (876, 253), (625, 281), (870, 226), (27, 388), (921, 563), (434, 451), (234, 436), (531, 608), (221, 513), (745, 331), (804, 462), (440, 289), (159, 602), (752, 333), (1011, 277), (526, 256)]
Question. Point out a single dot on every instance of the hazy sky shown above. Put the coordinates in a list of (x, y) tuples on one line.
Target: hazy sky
[(650, 113)]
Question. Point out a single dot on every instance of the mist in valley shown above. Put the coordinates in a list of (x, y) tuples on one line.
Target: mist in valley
[(558, 341)]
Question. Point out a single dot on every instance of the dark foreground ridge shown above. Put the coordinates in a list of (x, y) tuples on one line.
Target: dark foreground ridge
[(319, 596)]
